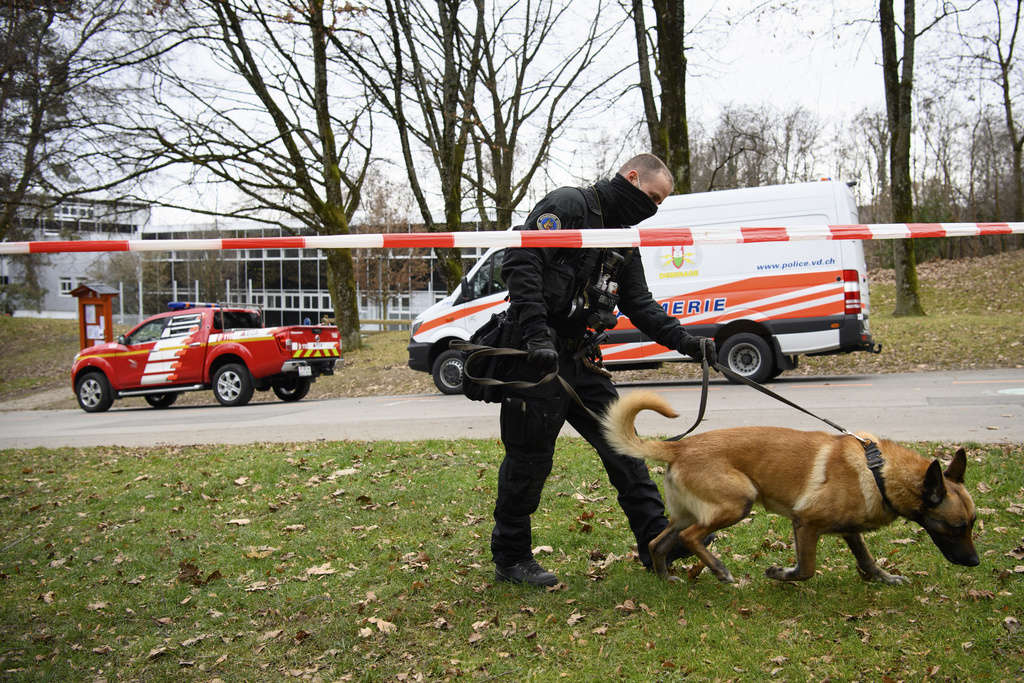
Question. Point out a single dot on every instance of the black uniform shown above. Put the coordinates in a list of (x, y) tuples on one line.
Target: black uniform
[(542, 284)]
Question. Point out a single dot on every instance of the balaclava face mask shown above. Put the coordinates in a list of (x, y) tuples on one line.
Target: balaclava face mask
[(624, 204)]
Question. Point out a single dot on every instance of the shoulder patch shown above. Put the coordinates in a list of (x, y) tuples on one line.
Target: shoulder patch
[(549, 221)]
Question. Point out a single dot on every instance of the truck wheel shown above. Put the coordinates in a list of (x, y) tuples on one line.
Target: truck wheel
[(448, 372), (232, 385), (292, 388), (93, 392), (748, 355), (161, 400)]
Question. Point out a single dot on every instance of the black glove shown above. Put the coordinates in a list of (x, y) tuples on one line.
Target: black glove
[(690, 346), (541, 353)]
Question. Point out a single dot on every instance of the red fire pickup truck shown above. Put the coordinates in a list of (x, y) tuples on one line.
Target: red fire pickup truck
[(204, 346)]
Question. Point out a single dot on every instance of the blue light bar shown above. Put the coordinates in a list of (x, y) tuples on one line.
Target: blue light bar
[(184, 305)]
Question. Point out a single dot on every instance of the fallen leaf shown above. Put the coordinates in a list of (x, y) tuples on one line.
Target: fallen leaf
[(383, 626), (976, 595), (239, 522), (322, 570)]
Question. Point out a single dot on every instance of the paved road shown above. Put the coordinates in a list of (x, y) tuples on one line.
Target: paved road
[(981, 406)]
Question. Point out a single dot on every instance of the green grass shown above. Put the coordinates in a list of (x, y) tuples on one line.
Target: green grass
[(370, 562)]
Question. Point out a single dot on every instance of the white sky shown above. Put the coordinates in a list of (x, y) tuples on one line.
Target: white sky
[(785, 61)]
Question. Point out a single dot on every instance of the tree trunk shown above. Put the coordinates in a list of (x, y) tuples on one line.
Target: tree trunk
[(898, 99), (672, 77), (341, 280), (669, 131), (332, 215)]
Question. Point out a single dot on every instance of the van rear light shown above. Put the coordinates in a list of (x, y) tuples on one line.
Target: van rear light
[(851, 287)]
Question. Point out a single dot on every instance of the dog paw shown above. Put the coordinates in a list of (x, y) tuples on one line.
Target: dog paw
[(725, 576), (785, 574), (891, 579)]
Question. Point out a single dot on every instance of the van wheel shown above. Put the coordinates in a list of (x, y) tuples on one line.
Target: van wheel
[(748, 355), (232, 385), (447, 372)]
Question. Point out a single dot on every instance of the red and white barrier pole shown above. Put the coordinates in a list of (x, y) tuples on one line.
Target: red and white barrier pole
[(621, 237)]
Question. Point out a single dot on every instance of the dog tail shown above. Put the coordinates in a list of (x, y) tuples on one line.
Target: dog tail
[(618, 428)]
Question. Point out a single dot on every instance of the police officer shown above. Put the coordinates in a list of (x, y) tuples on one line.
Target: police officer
[(562, 299)]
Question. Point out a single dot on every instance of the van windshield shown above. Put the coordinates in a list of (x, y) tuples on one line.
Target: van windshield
[(487, 280)]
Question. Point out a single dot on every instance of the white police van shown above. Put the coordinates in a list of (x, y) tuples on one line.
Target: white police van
[(764, 303)]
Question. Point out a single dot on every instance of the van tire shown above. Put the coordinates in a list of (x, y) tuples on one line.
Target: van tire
[(447, 372), (748, 355)]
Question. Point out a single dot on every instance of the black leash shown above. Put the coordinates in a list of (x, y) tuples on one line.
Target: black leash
[(705, 377), (871, 451), (477, 351)]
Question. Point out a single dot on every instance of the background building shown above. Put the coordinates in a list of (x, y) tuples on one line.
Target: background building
[(290, 285)]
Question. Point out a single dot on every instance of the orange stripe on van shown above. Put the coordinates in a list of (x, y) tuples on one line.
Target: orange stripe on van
[(457, 313), (745, 297), (623, 352), (742, 292)]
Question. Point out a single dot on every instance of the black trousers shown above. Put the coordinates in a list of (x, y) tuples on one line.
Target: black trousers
[(530, 422)]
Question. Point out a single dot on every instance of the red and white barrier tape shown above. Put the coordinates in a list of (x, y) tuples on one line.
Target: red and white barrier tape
[(628, 237)]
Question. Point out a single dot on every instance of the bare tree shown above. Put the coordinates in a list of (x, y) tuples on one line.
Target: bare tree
[(991, 41), (898, 78), (754, 146), (668, 128), (387, 207), (534, 88), (270, 118), (422, 66), (64, 80), (873, 127)]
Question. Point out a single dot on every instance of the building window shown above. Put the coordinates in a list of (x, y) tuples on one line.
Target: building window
[(66, 285)]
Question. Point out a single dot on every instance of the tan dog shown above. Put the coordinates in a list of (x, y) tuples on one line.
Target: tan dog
[(820, 481)]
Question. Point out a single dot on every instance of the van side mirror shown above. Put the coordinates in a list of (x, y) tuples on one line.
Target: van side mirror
[(120, 339), (464, 290)]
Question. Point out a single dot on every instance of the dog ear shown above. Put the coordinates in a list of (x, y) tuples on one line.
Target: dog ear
[(955, 471), (934, 485)]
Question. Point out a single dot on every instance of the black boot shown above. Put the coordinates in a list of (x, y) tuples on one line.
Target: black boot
[(527, 571)]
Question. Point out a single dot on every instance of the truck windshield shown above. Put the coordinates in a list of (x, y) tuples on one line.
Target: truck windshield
[(237, 320)]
